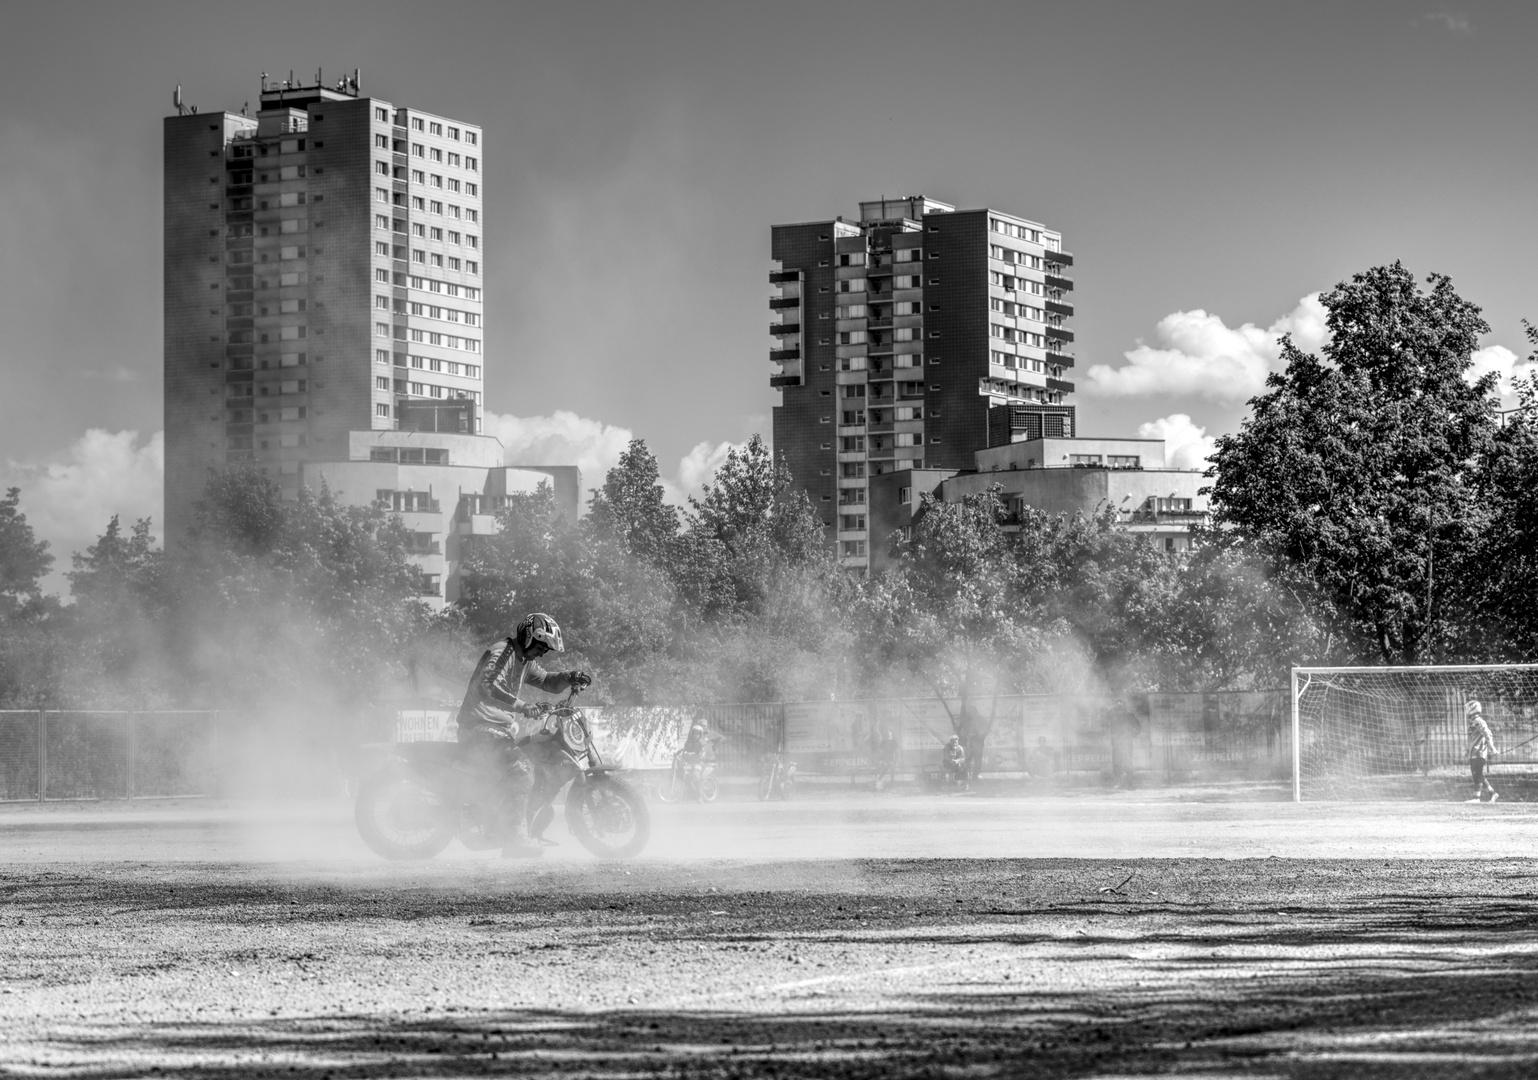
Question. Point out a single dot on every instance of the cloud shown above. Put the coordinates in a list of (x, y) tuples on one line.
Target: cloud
[(1196, 353), (1454, 22), (698, 466), (1504, 364), (1186, 445), (564, 438), (70, 497)]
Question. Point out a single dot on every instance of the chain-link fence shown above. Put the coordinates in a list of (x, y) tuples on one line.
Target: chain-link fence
[(106, 755)]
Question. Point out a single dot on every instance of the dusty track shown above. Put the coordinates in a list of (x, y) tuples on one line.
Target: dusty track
[(881, 966)]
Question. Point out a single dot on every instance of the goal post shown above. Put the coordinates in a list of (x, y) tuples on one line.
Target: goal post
[(1399, 732)]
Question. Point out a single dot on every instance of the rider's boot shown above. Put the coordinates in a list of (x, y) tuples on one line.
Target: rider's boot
[(516, 842)]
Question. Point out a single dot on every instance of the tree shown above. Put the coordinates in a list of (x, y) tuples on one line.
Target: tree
[(629, 508), (30, 652), (24, 559), (1356, 468), (948, 614), (1501, 616), (761, 522)]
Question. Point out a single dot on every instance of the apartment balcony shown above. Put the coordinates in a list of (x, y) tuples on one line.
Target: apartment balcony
[(779, 382), (782, 277), (1061, 257), (1183, 518), (777, 303), (879, 271), (1060, 307), (779, 356), (879, 324), (877, 429), (1060, 358), (1059, 333), (1062, 385), (784, 329), (886, 454), (1059, 281)]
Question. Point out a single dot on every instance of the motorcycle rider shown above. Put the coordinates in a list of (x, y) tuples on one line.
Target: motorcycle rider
[(696, 749), (488, 718)]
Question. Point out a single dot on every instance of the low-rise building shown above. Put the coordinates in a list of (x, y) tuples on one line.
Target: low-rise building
[(1056, 476), (447, 488)]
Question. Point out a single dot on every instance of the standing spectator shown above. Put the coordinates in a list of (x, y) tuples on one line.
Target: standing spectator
[(1481, 750)]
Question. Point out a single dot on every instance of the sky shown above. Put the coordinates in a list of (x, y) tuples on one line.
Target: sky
[(1212, 166)]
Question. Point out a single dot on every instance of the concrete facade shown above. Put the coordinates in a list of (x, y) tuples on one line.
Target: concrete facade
[(896, 334)]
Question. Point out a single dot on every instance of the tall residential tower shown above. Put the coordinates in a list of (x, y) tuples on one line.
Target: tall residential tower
[(323, 315), (322, 278), (913, 338)]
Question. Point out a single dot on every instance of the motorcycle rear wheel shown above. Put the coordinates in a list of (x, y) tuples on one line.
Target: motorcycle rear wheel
[(400, 817), (765, 786), (709, 788), (608, 817)]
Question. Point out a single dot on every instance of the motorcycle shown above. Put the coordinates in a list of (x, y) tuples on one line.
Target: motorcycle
[(697, 777), (428, 793), (777, 776)]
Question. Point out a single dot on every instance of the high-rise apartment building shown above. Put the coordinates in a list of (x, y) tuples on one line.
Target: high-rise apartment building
[(324, 315), (322, 278), (903, 338)]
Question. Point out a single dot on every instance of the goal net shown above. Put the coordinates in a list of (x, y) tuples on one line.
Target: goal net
[(1399, 732)]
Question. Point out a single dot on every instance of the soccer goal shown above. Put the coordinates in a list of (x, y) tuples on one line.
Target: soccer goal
[(1399, 732)]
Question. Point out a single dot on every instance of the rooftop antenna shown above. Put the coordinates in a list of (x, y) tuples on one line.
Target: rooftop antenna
[(244, 107), (355, 73), (318, 79), (176, 99), (264, 82)]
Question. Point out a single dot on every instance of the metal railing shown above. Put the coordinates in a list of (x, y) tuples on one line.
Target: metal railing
[(97, 754)]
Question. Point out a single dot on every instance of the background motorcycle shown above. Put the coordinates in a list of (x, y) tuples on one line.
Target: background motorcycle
[(697, 778), (777, 778), (427, 793)]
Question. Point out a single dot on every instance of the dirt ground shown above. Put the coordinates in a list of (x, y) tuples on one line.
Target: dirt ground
[(847, 936)]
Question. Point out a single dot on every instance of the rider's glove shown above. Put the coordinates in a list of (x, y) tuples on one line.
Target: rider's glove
[(580, 680)]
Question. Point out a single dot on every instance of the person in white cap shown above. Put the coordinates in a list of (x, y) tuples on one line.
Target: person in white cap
[(1481, 750)]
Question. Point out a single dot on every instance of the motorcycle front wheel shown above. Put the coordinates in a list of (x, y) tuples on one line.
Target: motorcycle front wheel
[(608, 817), (400, 817), (670, 790), (765, 786)]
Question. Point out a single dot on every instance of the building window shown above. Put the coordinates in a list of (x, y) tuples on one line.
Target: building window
[(382, 329), (416, 123), (905, 495), (382, 115), (854, 549), (435, 128), (381, 356), (472, 188), (381, 382)]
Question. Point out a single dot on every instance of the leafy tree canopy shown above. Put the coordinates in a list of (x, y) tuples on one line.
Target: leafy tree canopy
[(1357, 467)]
